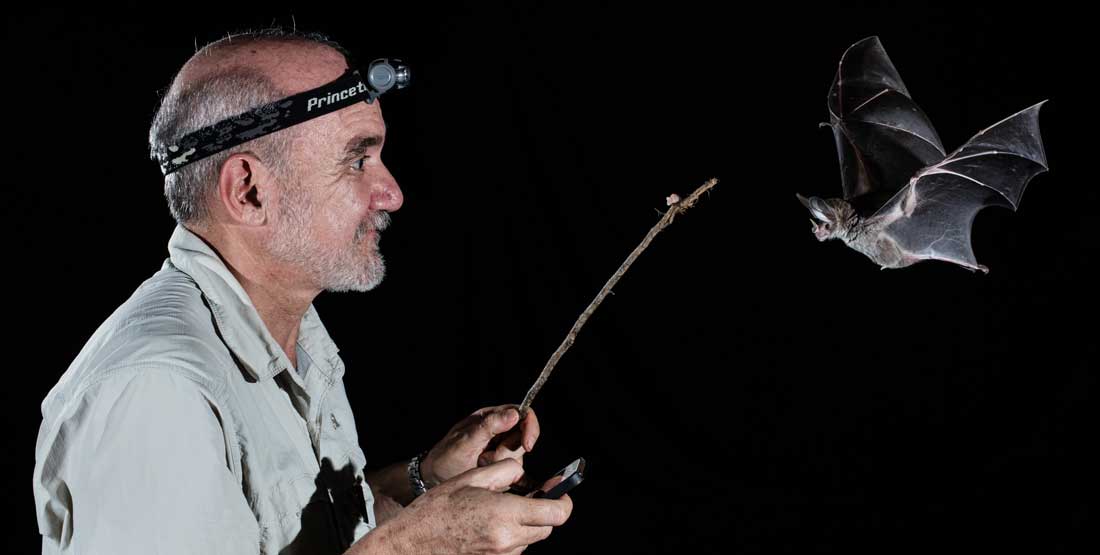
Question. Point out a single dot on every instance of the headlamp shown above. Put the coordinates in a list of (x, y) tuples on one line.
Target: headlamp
[(382, 75)]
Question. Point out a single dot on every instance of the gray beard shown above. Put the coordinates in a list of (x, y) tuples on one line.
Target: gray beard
[(331, 267)]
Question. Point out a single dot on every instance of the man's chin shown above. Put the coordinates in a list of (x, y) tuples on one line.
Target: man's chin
[(367, 281)]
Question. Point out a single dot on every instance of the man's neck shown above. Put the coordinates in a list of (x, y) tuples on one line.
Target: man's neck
[(280, 304), (281, 313)]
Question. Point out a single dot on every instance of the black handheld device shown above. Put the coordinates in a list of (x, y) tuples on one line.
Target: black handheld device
[(571, 476)]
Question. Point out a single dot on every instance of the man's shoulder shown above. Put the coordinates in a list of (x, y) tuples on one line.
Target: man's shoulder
[(165, 325)]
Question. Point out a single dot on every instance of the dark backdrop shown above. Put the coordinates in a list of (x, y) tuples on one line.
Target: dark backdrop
[(746, 389)]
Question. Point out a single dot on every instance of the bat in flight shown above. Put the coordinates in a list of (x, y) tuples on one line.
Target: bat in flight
[(906, 200)]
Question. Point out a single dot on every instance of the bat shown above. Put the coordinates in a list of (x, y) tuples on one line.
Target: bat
[(906, 200)]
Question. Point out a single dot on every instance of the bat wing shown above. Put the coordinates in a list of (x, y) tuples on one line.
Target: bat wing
[(882, 136), (931, 217)]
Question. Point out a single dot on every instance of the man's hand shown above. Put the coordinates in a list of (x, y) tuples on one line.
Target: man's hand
[(385, 507), (486, 436), (469, 515)]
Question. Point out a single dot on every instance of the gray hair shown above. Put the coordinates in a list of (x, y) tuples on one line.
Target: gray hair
[(216, 96)]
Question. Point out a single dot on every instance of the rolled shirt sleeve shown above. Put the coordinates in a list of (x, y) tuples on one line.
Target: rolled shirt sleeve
[(140, 463)]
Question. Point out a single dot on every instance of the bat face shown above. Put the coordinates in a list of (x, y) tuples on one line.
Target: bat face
[(831, 217)]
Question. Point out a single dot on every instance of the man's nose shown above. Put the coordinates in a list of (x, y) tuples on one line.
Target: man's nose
[(386, 194)]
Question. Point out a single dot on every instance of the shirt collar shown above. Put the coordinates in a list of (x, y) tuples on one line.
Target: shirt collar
[(239, 324)]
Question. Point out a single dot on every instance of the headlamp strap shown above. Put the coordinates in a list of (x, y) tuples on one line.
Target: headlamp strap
[(346, 90)]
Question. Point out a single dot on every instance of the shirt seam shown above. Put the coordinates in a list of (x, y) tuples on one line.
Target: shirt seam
[(216, 388)]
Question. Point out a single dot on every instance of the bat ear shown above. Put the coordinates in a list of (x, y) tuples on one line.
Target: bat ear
[(817, 208), (804, 201)]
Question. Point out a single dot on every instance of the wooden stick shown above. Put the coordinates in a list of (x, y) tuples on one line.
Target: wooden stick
[(676, 207)]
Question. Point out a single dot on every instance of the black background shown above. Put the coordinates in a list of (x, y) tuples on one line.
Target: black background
[(746, 389)]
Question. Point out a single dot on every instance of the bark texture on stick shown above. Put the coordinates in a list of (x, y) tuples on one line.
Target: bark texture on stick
[(676, 207)]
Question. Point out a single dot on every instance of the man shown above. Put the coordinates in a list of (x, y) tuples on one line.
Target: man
[(208, 414)]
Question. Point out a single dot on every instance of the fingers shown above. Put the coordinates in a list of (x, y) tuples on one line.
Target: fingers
[(523, 536), (525, 486), (496, 476), (518, 439), (544, 512), (485, 458), (499, 454), (494, 420), (530, 430), (531, 534), (503, 420), (385, 507)]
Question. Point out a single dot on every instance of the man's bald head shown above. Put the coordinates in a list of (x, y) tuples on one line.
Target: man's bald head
[(229, 77), (293, 63)]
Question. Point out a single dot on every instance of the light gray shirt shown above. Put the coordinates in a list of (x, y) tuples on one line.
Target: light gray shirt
[(182, 427)]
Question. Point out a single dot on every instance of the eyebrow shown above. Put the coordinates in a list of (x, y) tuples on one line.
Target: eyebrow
[(359, 145)]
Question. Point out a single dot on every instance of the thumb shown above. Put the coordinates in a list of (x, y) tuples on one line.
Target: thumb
[(497, 422), (497, 476)]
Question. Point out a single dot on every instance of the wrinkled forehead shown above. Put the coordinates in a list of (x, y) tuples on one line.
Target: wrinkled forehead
[(328, 144), (332, 131)]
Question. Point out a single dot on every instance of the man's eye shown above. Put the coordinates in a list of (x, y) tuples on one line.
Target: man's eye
[(358, 165)]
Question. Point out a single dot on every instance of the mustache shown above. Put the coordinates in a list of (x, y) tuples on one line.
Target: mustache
[(377, 221), (380, 220)]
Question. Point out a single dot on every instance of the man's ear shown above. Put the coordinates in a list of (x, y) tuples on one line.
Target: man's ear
[(245, 188)]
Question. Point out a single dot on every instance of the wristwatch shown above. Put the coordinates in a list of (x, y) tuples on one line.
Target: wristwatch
[(415, 479)]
